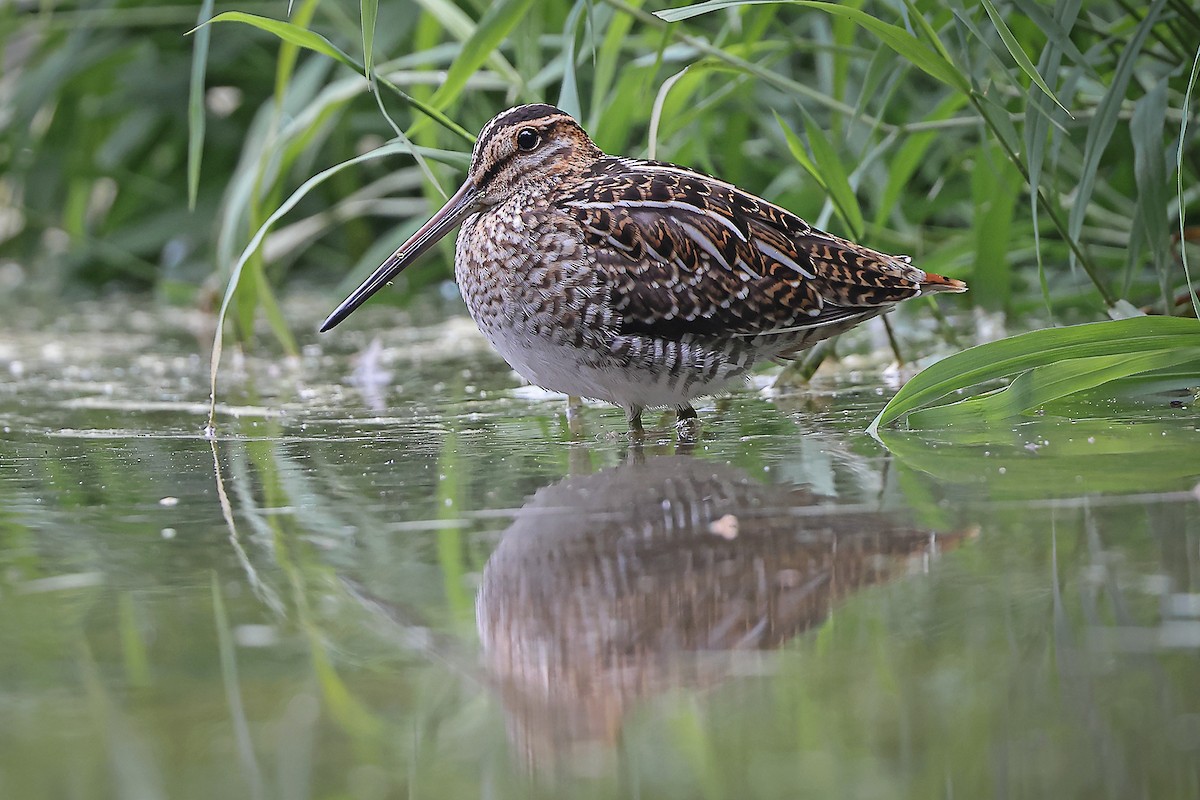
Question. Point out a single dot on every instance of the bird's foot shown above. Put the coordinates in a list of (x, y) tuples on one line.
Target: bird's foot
[(687, 424), (637, 433)]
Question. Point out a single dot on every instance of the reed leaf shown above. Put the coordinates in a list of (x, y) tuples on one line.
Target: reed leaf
[(368, 15), (1104, 123), (568, 94), (904, 43), (681, 13), (1036, 387), (1147, 130), (1193, 294), (1018, 53), (493, 27), (196, 101), (833, 178), (251, 248), (911, 155), (287, 32), (1051, 346)]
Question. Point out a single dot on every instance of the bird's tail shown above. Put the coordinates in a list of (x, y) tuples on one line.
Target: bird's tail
[(937, 283)]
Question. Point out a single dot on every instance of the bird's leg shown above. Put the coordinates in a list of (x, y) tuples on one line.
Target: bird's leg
[(575, 415), (800, 371), (687, 423), (634, 416), (891, 337)]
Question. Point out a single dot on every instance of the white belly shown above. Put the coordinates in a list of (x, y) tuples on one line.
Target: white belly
[(599, 376)]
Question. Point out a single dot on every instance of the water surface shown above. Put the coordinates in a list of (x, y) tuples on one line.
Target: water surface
[(406, 576)]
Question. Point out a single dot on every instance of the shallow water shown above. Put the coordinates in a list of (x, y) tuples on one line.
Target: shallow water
[(406, 577)]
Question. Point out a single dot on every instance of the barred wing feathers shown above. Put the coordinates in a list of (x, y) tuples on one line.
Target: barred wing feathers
[(685, 253)]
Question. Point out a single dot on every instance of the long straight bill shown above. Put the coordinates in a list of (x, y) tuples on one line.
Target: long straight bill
[(457, 208)]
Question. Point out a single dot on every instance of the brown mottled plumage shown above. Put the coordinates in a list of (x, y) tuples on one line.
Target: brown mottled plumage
[(639, 282)]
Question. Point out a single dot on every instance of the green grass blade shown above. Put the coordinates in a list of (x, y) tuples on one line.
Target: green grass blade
[(1018, 53), (608, 59), (422, 164), (910, 47), (996, 186), (1033, 389), (995, 360), (916, 17), (1181, 377), (997, 118), (1038, 117), (1104, 123), (911, 155), (133, 642), (274, 314), (687, 12), (493, 27), (1187, 100), (235, 275), (449, 17), (369, 13), (749, 67), (450, 548), (568, 93), (287, 32), (798, 151), (301, 14), (1057, 29), (233, 691), (196, 117), (246, 298), (834, 178), (656, 111), (880, 80), (319, 44), (429, 111), (1147, 130), (456, 22)]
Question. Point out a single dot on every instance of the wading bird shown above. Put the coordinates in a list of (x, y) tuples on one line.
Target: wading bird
[(638, 282)]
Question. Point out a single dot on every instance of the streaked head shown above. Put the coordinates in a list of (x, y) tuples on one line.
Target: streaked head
[(518, 151), (527, 145)]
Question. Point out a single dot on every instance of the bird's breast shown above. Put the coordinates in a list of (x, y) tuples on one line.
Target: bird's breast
[(523, 271)]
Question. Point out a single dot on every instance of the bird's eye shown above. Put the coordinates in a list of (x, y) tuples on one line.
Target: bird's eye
[(527, 139)]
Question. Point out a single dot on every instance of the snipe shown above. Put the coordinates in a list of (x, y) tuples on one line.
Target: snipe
[(638, 282)]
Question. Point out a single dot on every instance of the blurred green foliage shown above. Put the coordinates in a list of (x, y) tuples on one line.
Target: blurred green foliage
[(93, 140), (918, 127)]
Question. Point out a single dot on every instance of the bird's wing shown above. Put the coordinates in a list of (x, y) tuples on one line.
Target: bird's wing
[(688, 254)]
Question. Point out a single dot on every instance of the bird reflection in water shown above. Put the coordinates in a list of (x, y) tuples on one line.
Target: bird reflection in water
[(666, 572)]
